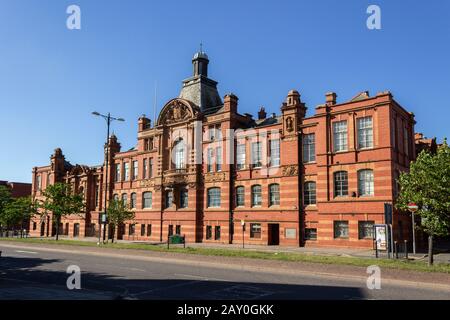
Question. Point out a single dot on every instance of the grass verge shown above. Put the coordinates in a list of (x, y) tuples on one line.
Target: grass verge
[(252, 254)]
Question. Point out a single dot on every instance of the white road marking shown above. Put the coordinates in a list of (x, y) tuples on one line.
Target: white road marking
[(200, 277), (21, 251)]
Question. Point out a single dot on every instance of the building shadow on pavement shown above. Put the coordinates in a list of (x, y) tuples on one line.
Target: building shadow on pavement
[(35, 278)]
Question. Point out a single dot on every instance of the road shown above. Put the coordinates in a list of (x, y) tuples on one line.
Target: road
[(39, 272)]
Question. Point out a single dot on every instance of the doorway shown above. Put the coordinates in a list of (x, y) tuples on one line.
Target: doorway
[(274, 234)]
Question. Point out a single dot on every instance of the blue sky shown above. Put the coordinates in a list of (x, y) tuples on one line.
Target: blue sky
[(52, 78)]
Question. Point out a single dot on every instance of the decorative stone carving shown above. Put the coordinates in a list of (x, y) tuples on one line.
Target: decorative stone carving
[(291, 170), (289, 124), (213, 177), (147, 183), (175, 112)]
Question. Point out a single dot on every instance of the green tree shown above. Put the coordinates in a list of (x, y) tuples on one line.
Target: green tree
[(17, 211), (428, 185), (118, 213), (61, 201)]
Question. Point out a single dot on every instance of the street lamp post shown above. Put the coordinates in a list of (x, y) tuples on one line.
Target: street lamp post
[(108, 119), (413, 208), (243, 233)]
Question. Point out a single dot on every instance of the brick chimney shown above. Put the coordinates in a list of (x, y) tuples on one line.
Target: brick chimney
[(262, 114), (143, 123), (230, 102), (330, 98)]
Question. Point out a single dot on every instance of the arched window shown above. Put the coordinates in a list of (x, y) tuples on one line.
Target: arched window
[(213, 197), (146, 200), (116, 197), (133, 200), (240, 196), (340, 184), (309, 193), (274, 194), (365, 182), (124, 199), (256, 195), (178, 149)]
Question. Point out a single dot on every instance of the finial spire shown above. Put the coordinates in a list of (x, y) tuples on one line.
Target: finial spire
[(201, 47)]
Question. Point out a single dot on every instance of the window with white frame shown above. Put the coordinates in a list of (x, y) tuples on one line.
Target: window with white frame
[(183, 198), (365, 132), (124, 199), (135, 169), (275, 152), (256, 154), (365, 182), (147, 200), (117, 176), (309, 147), (340, 136), (240, 196), (145, 169), (309, 193), (210, 160), (213, 197), (126, 170), (340, 184), (219, 159), (256, 195), (179, 154), (133, 200), (274, 194), (240, 156)]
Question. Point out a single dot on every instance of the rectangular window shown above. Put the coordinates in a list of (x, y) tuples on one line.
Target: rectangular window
[(150, 168), (131, 229), (214, 198), (135, 169), (365, 132), (217, 233), (209, 160), (97, 195), (170, 230), (38, 182), (365, 183), (365, 229), (142, 230), (169, 198), (183, 198), (256, 154), (309, 193), (219, 159), (340, 184), (340, 229), (310, 234), (274, 153), (255, 230), (406, 140), (117, 177), (149, 230), (208, 232), (309, 147), (145, 169), (126, 170), (240, 156), (147, 200), (178, 229), (340, 136)]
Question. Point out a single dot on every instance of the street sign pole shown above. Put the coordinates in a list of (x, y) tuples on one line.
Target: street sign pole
[(243, 233), (413, 208)]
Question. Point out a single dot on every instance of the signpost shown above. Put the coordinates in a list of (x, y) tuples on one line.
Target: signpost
[(243, 233), (412, 207)]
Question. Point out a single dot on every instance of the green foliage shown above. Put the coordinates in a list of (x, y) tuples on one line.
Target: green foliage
[(5, 197), (61, 202), (17, 211), (118, 212), (428, 185)]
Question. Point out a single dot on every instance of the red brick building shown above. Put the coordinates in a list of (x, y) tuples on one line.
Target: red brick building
[(203, 167)]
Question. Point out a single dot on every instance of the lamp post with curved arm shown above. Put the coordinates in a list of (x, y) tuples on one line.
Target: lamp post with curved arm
[(108, 119)]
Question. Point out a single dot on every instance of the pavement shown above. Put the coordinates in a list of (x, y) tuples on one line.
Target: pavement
[(440, 256), (38, 271)]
